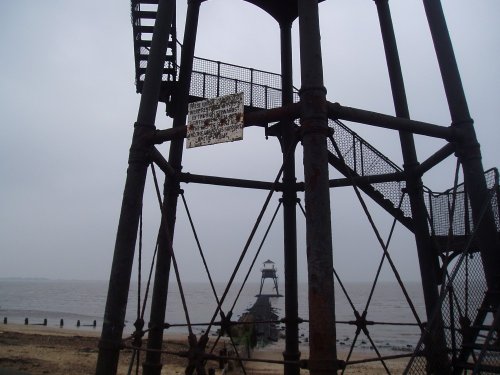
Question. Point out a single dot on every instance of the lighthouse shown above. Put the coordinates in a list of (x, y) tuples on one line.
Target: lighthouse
[(269, 272)]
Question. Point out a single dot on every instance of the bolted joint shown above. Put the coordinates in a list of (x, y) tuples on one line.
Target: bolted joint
[(226, 323), (288, 201), (311, 126), (139, 333), (416, 186), (410, 167), (196, 354), (273, 130), (172, 184), (142, 141), (313, 104), (312, 91), (465, 151)]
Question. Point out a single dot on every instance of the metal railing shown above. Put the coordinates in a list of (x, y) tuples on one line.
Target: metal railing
[(365, 160), (210, 79), (451, 213)]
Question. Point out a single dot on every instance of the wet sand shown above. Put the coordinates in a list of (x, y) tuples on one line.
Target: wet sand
[(46, 350)]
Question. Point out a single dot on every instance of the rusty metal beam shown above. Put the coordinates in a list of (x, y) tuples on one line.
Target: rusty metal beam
[(366, 180), (435, 159), (337, 111), (159, 160), (230, 182)]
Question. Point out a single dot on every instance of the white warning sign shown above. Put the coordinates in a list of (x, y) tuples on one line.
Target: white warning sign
[(215, 121)]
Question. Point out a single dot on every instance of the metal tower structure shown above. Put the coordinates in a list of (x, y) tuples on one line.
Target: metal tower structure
[(269, 272), (456, 232)]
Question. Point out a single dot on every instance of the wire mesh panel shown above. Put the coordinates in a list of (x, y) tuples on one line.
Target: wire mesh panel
[(365, 160), (465, 296), (418, 365), (461, 300), (464, 302), (453, 206), (211, 79)]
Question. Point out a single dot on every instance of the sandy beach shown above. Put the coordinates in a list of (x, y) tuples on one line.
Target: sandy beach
[(47, 350)]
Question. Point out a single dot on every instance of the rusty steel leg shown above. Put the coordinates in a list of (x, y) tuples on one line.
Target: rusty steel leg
[(427, 254), (468, 150), (152, 365), (291, 352), (314, 127), (119, 282)]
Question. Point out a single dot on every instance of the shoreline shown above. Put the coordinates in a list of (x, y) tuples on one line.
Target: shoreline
[(41, 350)]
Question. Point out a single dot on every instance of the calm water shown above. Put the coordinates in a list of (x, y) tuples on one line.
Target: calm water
[(85, 301)]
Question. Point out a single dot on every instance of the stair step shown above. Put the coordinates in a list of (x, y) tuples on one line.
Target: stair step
[(169, 71), (146, 14), (481, 327), (482, 367), (146, 29), (490, 309), (143, 57), (135, 2), (489, 348), (147, 43)]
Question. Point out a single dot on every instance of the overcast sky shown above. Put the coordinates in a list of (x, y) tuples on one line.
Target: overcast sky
[(68, 103)]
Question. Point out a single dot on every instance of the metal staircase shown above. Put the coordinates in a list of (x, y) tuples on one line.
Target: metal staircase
[(360, 159), (480, 352), (143, 18)]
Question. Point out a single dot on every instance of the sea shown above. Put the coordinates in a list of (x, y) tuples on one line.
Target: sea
[(84, 301)]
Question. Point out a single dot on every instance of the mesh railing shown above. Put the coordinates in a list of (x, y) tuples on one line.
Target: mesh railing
[(453, 206), (465, 289), (211, 79), (463, 297), (364, 160)]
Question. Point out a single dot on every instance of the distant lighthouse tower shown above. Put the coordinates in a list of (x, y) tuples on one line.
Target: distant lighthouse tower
[(269, 272)]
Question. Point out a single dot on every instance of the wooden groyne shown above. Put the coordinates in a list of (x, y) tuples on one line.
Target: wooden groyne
[(61, 323), (261, 321)]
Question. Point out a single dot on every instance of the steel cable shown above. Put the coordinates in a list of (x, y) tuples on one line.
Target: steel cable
[(172, 254), (379, 238)]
